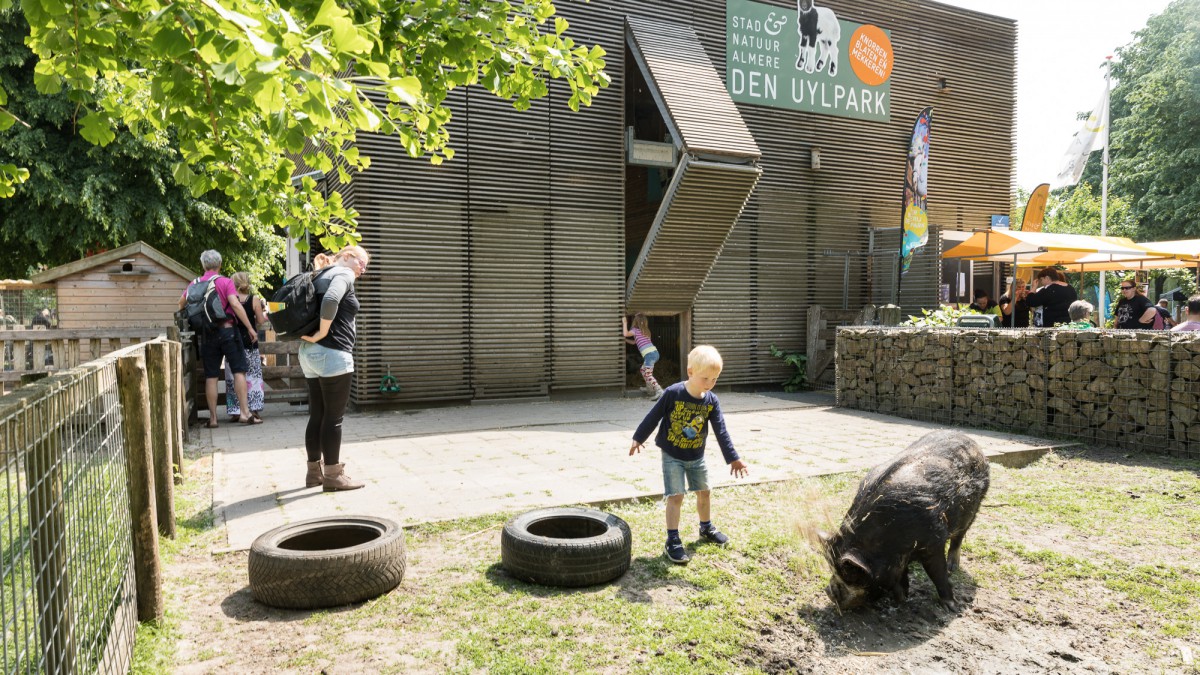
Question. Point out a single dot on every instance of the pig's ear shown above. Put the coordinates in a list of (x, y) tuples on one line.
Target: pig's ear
[(853, 568)]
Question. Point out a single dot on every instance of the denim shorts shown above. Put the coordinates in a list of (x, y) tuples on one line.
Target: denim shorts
[(320, 361), (650, 359), (676, 470)]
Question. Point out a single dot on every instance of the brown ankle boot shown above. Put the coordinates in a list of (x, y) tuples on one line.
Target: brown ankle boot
[(313, 477), (336, 479)]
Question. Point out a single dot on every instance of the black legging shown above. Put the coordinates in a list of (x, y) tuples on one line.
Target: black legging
[(327, 398)]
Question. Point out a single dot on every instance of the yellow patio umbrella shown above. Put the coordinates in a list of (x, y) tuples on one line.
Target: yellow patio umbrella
[(1156, 255), (1046, 248)]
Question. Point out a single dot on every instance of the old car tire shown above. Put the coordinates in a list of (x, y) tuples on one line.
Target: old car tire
[(566, 547), (325, 562)]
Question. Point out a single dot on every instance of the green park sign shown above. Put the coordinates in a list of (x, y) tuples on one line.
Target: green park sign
[(806, 58)]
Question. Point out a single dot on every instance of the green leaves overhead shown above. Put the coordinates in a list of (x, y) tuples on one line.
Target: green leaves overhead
[(245, 86), (97, 129), (10, 177), (1156, 123)]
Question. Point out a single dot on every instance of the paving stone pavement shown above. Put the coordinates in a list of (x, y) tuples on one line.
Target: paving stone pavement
[(453, 462)]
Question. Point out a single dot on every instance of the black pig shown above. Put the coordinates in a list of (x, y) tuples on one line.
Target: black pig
[(907, 510)]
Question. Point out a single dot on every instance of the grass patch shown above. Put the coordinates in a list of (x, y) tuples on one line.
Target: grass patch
[(1059, 543), (154, 647)]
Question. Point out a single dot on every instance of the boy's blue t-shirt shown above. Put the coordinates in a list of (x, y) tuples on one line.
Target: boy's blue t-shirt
[(684, 424)]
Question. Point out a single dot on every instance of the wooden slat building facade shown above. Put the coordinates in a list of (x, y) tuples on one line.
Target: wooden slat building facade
[(504, 272)]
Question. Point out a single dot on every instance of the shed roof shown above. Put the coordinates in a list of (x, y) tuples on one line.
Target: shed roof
[(112, 256)]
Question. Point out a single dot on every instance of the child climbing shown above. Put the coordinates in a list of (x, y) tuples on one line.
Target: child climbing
[(640, 334)]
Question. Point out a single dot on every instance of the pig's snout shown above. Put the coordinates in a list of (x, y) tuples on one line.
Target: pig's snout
[(843, 596)]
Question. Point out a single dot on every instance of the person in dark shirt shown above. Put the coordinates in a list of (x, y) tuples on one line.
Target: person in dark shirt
[(1054, 296), (327, 359), (683, 414), (1134, 310), (1015, 316)]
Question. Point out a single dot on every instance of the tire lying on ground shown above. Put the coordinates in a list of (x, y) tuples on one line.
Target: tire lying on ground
[(325, 562), (566, 547)]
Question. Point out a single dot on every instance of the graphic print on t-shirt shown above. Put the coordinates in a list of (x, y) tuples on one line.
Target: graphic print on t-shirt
[(686, 429), (1124, 312)]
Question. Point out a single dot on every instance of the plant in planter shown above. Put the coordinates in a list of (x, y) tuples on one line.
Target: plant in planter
[(942, 316), (799, 379)]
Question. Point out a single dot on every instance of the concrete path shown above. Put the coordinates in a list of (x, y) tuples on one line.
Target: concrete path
[(445, 463)]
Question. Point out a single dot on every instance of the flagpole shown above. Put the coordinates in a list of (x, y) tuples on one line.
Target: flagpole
[(1104, 185)]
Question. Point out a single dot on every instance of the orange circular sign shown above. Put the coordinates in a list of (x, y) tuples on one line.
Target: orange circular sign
[(871, 55)]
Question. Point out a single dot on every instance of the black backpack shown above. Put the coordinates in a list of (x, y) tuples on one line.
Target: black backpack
[(204, 310), (299, 307)]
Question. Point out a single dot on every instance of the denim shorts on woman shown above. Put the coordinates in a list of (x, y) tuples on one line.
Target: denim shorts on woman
[(676, 470), (319, 361), (650, 359)]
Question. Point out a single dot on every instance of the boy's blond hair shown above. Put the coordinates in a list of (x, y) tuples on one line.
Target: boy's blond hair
[(704, 358)]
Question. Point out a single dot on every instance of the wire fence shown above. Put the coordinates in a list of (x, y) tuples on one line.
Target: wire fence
[(68, 597), (28, 305), (1138, 390)]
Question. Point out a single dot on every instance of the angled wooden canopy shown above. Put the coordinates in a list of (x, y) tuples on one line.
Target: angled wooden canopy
[(717, 170)]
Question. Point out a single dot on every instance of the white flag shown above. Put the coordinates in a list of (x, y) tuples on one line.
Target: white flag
[(1093, 136)]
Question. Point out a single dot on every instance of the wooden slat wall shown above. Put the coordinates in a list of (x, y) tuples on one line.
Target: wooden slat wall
[(415, 305), (424, 314), (509, 187), (587, 202), (797, 213)]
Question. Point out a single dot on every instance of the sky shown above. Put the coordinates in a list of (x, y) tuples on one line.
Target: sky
[(1061, 45)]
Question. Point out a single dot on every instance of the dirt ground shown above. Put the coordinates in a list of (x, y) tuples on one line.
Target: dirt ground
[(1080, 563)]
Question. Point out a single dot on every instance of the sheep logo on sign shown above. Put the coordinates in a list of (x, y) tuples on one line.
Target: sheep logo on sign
[(819, 30)]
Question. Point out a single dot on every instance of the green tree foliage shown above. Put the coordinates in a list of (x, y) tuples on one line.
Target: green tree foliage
[(82, 198), (1155, 155), (244, 86), (1077, 211)]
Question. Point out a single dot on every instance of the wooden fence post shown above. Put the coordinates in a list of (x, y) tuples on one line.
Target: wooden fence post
[(158, 371), (175, 357), (48, 529), (135, 423)]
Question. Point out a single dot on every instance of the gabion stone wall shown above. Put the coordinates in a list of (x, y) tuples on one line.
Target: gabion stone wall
[(1132, 389)]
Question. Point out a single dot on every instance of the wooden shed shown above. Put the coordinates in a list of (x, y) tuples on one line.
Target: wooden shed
[(134, 285)]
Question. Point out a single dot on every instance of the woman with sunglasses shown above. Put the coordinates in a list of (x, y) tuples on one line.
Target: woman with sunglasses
[(327, 358), (1134, 310)]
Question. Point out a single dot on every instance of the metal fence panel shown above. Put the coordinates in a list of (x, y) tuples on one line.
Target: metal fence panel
[(67, 590)]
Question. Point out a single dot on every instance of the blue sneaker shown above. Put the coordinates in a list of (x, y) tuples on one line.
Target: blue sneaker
[(713, 536), (675, 552)]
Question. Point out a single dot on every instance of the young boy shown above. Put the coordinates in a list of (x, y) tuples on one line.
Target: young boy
[(686, 410)]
